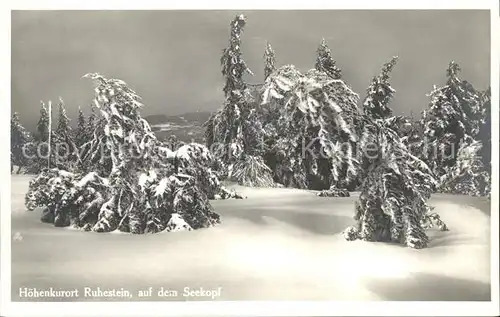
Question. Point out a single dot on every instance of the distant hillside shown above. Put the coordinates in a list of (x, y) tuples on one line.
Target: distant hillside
[(187, 127)]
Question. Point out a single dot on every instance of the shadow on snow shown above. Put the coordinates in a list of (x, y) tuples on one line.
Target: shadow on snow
[(425, 286)]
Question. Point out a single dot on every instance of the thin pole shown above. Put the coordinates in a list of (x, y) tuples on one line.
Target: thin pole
[(50, 131)]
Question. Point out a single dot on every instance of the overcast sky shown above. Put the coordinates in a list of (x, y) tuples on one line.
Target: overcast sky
[(171, 58)]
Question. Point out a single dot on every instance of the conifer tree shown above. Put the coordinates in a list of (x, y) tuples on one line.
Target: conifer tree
[(81, 129), (269, 116), (380, 93), (376, 106), (19, 139), (66, 149), (63, 125), (455, 113), (316, 128), (485, 130), (43, 124), (325, 62), (92, 120), (270, 61), (91, 127), (392, 206), (234, 133), (225, 127), (39, 145), (395, 184)]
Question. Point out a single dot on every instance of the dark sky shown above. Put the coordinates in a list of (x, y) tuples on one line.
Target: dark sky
[(171, 58)]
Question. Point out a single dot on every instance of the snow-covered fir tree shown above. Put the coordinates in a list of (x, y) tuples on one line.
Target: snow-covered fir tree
[(270, 61), (91, 123), (316, 129), (63, 125), (268, 114), (380, 93), (224, 128), (125, 139), (325, 62), (392, 206), (39, 147), (455, 112), (234, 133), (395, 183), (136, 187), (19, 140), (94, 126), (485, 130), (376, 105), (81, 130), (66, 150), (42, 126)]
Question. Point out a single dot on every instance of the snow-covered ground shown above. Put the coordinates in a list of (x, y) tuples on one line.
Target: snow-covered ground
[(279, 244)]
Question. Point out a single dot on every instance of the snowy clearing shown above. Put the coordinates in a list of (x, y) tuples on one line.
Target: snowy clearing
[(279, 244)]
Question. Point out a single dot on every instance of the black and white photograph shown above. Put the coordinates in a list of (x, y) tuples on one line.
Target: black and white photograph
[(257, 155)]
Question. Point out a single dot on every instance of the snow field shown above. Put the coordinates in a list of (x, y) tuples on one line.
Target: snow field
[(279, 244)]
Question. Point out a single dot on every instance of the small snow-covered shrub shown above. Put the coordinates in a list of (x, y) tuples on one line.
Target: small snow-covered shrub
[(226, 194), (67, 198), (193, 206), (334, 192), (176, 223), (87, 202), (196, 160), (468, 176), (433, 220), (351, 233), (176, 194)]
